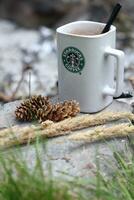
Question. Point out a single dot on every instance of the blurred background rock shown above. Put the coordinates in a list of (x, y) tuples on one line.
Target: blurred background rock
[(27, 41)]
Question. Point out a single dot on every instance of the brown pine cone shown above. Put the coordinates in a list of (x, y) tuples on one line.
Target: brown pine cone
[(27, 111), (37, 102), (42, 113), (24, 113), (58, 111)]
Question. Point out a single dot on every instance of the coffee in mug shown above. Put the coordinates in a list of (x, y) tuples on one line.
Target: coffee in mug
[(83, 32)]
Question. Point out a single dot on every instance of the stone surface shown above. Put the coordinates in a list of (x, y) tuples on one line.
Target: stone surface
[(39, 45), (66, 157)]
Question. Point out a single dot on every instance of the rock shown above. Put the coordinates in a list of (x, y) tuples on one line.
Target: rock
[(44, 71), (7, 117), (66, 157)]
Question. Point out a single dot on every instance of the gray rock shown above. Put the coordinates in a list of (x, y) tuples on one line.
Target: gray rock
[(44, 71), (66, 157)]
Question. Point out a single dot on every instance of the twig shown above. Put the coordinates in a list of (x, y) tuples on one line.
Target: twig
[(18, 85), (5, 98), (29, 83), (100, 133)]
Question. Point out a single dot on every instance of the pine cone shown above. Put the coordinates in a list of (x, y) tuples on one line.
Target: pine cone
[(42, 113), (27, 111), (24, 113), (38, 107), (58, 111)]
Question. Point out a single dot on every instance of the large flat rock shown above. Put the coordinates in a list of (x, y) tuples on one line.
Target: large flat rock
[(65, 156)]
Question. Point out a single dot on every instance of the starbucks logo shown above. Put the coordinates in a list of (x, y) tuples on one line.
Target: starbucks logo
[(73, 60)]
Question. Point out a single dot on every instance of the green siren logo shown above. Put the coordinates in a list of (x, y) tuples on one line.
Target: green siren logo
[(73, 60)]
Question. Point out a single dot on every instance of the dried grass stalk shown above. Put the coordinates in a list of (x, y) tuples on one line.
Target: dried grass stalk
[(85, 121), (17, 130), (100, 133), (21, 135), (76, 123)]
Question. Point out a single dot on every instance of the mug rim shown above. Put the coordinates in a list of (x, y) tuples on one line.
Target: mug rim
[(61, 29)]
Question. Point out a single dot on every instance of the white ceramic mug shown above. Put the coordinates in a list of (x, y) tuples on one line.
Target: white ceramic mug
[(86, 65)]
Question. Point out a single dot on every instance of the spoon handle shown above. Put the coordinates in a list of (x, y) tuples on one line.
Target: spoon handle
[(112, 18)]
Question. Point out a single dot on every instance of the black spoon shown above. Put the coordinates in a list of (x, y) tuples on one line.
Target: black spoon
[(112, 18)]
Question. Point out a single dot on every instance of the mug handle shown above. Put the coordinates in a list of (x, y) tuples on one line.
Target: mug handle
[(119, 55)]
